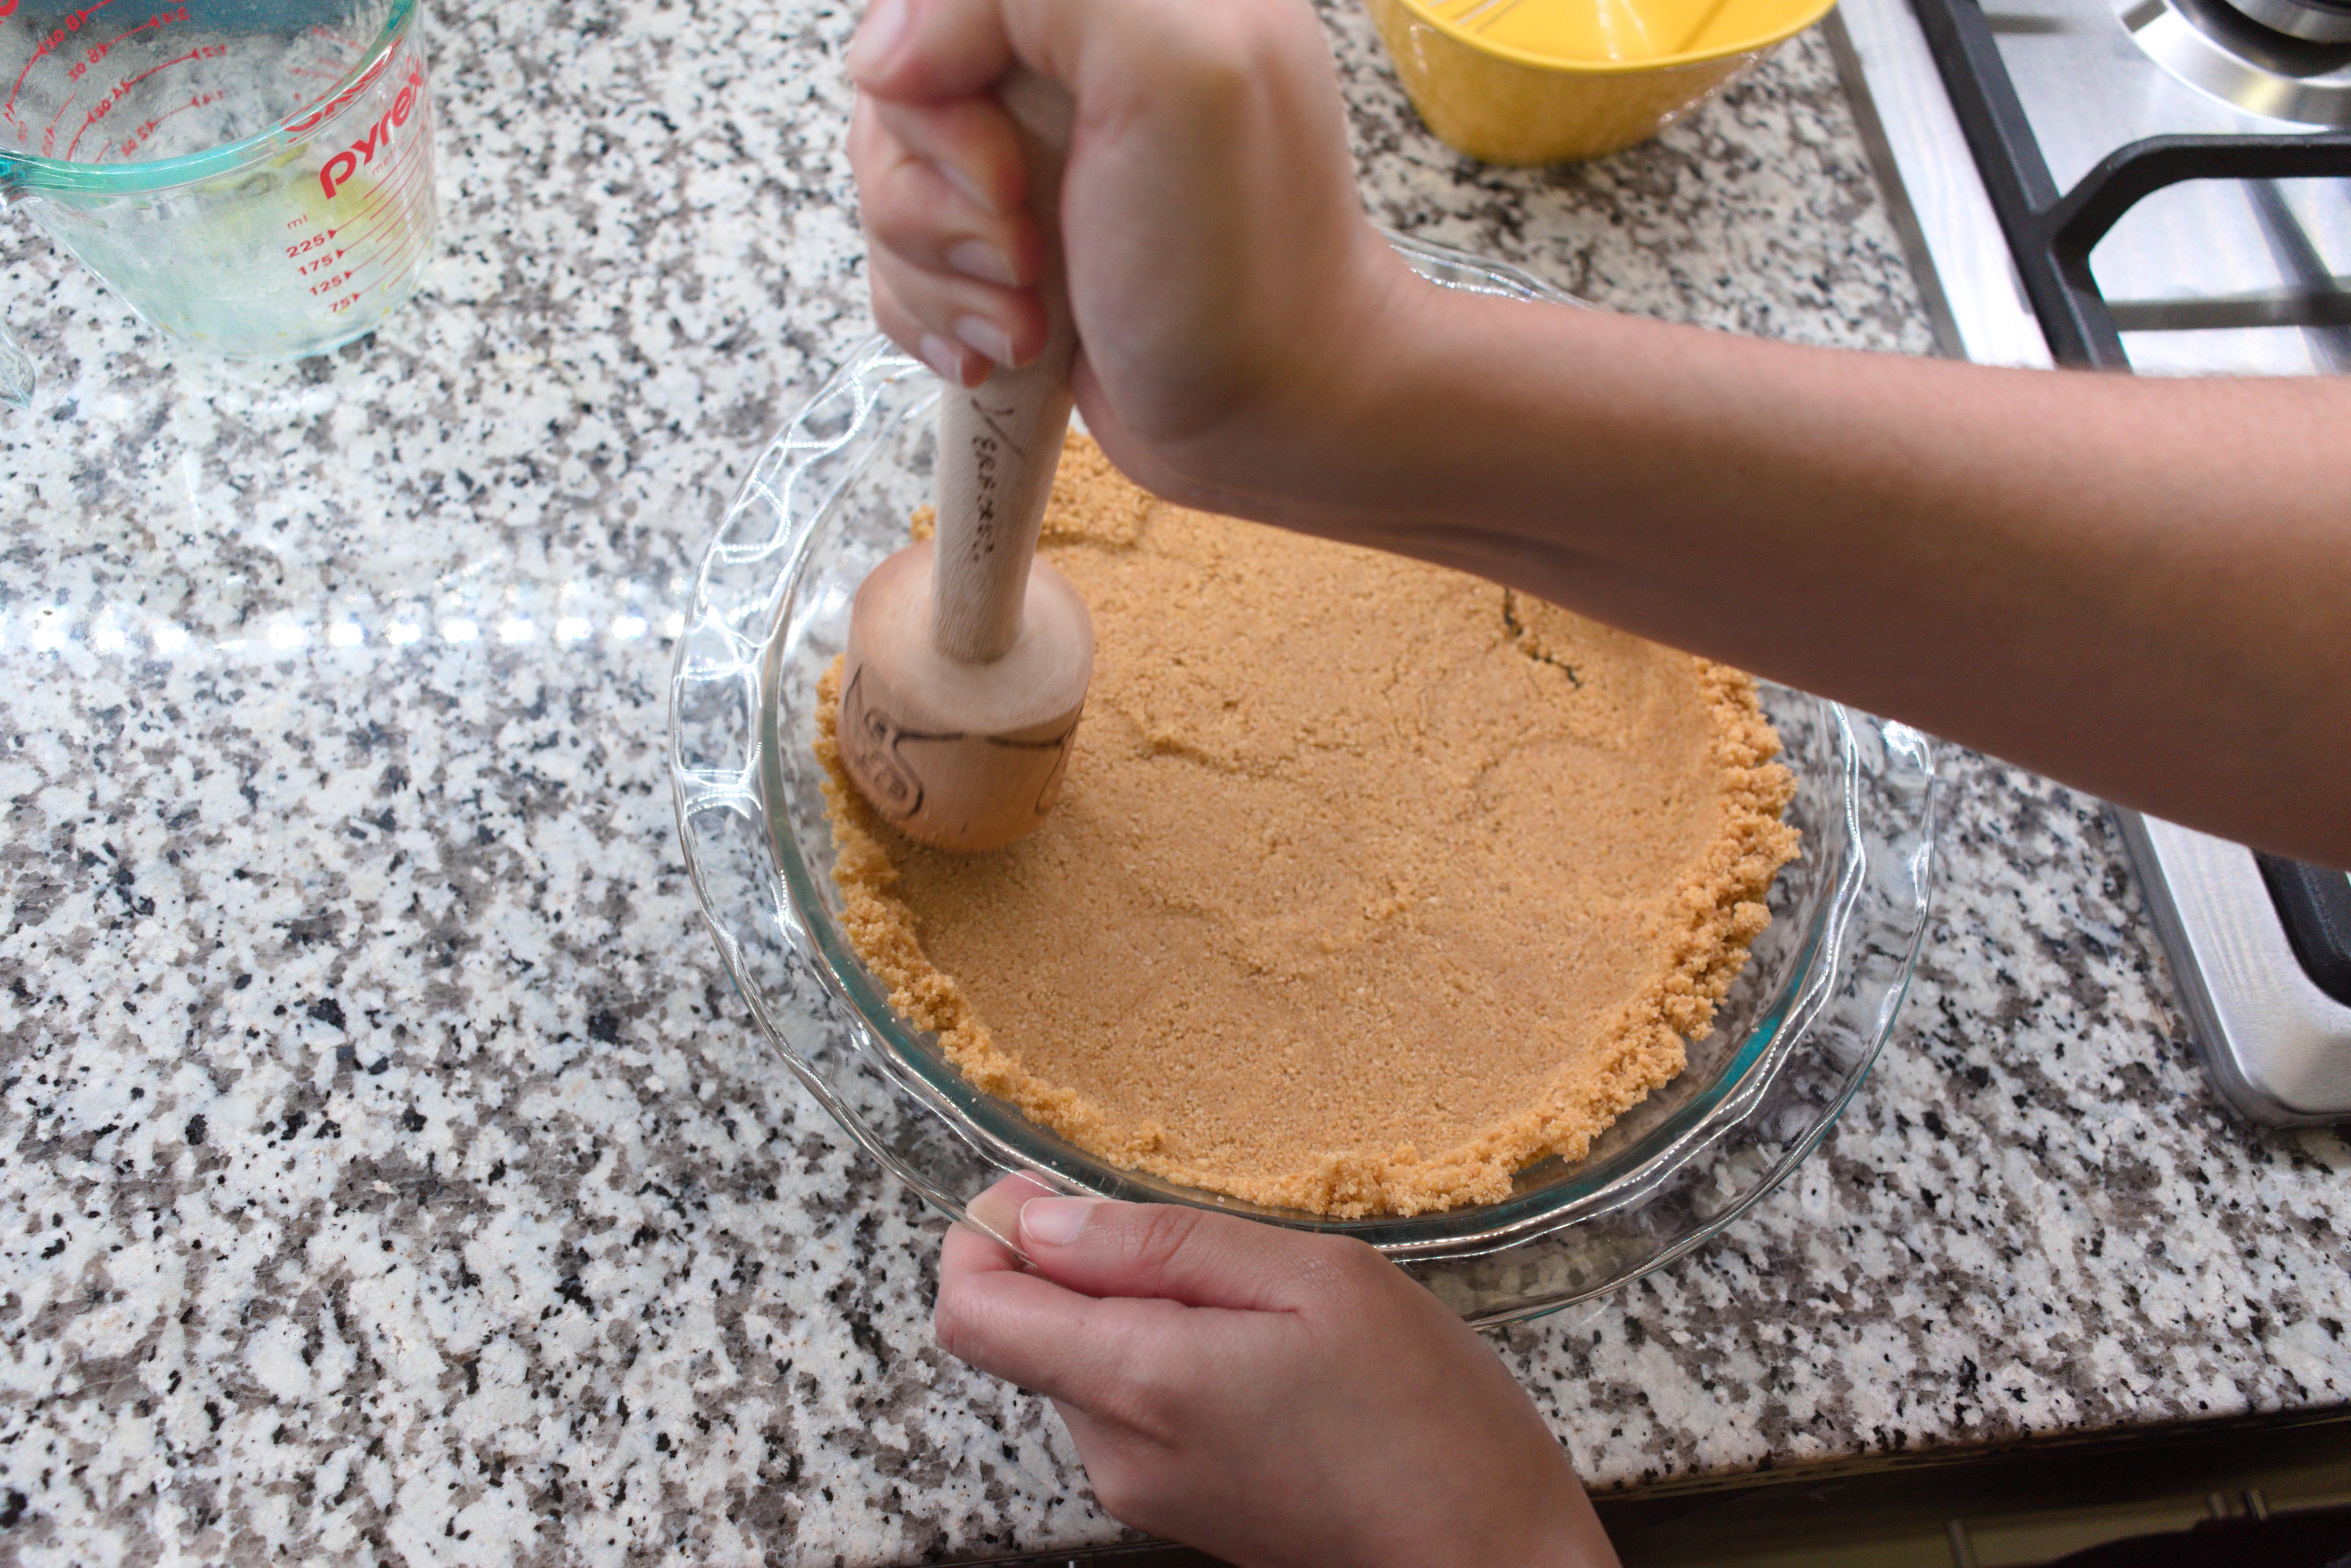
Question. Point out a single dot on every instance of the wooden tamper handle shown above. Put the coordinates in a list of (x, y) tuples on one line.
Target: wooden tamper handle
[(967, 658)]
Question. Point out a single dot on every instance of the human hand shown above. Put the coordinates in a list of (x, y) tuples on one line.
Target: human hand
[(1230, 294), (1265, 1395)]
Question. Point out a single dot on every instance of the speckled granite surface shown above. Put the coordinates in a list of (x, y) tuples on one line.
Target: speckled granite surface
[(387, 1176)]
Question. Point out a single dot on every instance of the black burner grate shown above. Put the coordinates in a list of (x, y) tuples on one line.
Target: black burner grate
[(2050, 234), (2315, 904)]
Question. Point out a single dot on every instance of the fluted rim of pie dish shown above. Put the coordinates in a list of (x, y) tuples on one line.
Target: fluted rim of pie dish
[(1853, 923)]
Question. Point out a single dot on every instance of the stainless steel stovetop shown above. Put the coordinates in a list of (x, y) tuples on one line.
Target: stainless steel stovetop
[(2009, 136)]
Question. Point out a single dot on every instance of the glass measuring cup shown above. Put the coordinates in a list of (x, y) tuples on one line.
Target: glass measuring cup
[(253, 177)]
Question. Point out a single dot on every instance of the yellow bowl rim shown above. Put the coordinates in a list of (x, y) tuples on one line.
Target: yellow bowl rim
[(1611, 67)]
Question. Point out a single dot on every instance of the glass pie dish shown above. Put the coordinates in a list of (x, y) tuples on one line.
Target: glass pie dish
[(831, 496)]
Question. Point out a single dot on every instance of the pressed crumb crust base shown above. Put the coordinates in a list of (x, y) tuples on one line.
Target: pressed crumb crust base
[(1371, 882)]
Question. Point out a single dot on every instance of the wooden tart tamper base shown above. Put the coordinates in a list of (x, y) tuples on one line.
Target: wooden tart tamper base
[(967, 658)]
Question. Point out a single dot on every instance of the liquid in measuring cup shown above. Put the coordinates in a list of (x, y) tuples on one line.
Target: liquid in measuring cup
[(253, 177)]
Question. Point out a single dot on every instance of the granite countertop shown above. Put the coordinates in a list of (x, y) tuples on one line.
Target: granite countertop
[(386, 1171)]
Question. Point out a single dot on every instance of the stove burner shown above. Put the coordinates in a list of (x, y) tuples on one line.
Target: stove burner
[(2220, 50), (2320, 21)]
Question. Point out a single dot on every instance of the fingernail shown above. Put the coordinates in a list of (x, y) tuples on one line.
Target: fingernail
[(878, 39), (941, 356), (970, 188), (985, 336), (978, 259), (1055, 1221)]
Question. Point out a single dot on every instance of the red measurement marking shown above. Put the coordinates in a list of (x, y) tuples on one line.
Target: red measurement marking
[(97, 53), (121, 90), (367, 244), (398, 220), (50, 131), (98, 111), (388, 260), (145, 133), (157, 22), (366, 81), (395, 206), (383, 235), (419, 138), (391, 263), (73, 25), (201, 52), (391, 194), (346, 165), (377, 255)]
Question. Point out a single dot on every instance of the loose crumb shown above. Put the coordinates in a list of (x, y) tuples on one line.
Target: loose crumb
[(1371, 884)]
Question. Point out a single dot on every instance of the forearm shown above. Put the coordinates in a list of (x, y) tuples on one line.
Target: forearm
[(2143, 588)]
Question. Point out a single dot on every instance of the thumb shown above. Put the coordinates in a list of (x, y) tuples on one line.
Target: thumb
[(1188, 1255), (914, 51)]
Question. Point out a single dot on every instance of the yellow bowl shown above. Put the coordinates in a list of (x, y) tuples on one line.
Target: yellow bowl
[(1547, 82)]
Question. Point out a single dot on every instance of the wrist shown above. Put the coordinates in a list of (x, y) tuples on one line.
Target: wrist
[(1392, 399), (1357, 446), (1449, 409)]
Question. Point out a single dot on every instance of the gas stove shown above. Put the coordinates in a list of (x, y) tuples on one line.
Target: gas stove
[(2158, 186)]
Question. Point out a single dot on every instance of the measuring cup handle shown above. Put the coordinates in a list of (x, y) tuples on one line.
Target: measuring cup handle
[(15, 365), (16, 371)]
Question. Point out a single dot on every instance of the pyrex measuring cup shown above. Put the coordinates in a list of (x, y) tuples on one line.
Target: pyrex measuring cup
[(253, 177)]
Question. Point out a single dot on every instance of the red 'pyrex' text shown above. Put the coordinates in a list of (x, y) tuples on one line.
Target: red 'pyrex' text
[(346, 164)]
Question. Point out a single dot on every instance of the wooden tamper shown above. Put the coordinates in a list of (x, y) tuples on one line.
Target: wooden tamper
[(968, 657)]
